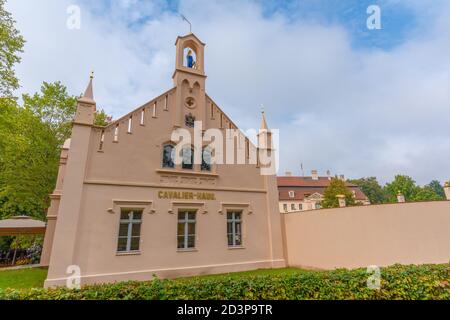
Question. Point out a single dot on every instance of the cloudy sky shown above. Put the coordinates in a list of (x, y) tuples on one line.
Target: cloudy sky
[(355, 101)]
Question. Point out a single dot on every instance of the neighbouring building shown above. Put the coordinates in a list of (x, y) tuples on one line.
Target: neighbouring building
[(298, 193), (124, 209)]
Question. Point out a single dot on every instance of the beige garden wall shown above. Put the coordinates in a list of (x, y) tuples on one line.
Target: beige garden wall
[(407, 233)]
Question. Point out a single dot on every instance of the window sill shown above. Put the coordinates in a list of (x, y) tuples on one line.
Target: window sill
[(187, 250), (128, 253), (235, 247), (187, 172)]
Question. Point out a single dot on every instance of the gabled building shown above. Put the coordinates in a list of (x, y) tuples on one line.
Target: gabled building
[(124, 207), (298, 193)]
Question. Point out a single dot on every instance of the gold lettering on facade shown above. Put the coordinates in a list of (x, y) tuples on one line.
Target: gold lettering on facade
[(186, 195)]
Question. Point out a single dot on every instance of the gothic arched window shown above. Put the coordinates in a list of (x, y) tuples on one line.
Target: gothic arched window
[(187, 157), (206, 159), (168, 156)]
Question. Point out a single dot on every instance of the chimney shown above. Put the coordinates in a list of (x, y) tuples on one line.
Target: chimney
[(329, 174), (400, 197), (447, 190), (341, 199), (288, 173), (314, 175)]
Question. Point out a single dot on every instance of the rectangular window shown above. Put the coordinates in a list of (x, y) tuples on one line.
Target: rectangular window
[(285, 207), (166, 103), (234, 228), (186, 229), (292, 206), (102, 139), (154, 110), (212, 110), (129, 230), (142, 117), (300, 206), (116, 133), (247, 148), (130, 124)]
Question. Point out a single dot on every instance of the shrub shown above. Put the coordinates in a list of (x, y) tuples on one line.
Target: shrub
[(397, 282)]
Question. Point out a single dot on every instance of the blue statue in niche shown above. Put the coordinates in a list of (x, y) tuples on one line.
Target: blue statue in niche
[(190, 60)]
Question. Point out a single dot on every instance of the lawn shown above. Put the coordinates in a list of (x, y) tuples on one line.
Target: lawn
[(23, 278)]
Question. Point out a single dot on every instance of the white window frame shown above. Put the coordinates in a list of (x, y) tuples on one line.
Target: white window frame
[(291, 194), (129, 236), (186, 221), (234, 221)]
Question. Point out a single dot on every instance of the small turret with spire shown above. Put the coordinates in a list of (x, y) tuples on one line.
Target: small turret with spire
[(264, 135), (86, 106)]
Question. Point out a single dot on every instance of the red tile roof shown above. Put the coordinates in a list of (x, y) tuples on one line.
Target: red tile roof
[(306, 186)]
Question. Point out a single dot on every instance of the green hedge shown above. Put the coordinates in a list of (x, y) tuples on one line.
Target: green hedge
[(398, 282)]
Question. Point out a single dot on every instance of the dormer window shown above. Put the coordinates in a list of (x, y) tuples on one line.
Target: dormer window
[(291, 194)]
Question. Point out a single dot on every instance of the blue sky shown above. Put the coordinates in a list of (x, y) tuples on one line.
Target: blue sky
[(355, 101), (399, 20)]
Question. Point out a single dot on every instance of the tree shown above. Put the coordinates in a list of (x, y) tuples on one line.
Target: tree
[(30, 141), (426, 194), (28, 162), (101, 118), (404, 184), (337, 187), (11, 44), (371, 188), (438, 189), (54, 106)]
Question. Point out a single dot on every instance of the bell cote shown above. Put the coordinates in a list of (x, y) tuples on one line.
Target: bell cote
[(189, 79), (190, 58)]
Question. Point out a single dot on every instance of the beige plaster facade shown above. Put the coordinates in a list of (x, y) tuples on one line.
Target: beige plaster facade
[(108, 176), (382, 235), (106, 171)]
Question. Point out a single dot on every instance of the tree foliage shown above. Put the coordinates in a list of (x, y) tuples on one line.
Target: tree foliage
[(11, 45), (337, 187), (371, 188), (30, 141), (426, 194), (101, 118), (28, 162), (437, 188), (404, 184), (54, 107)]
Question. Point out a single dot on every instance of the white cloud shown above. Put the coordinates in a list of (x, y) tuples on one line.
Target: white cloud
[(358, 112)]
